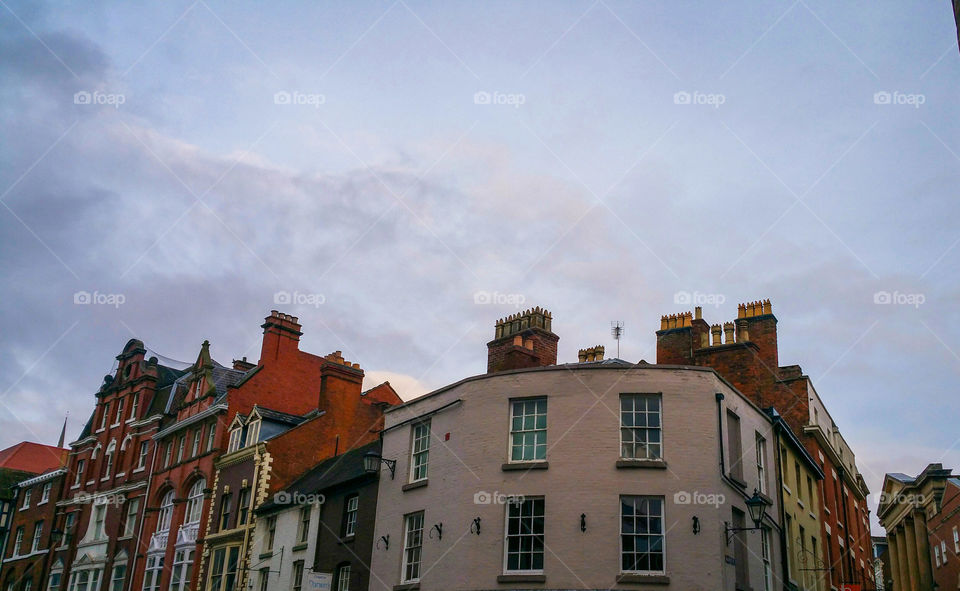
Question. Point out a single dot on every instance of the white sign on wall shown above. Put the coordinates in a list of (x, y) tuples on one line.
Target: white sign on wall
[(320, 581)]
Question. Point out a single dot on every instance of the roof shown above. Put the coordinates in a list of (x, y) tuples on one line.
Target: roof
[(32, 457), (276, 416), (327, 474), (904, 478), (222, 378)]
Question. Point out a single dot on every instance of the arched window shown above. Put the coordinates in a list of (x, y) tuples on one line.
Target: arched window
[(195, 502), (166, 512)]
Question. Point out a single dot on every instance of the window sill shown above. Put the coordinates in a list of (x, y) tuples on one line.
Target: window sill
[(407, 586), (532, 578), (266, 555), (737, 480), (524, 466), (652, 464), (414, 485), (139, 469), (299, 547), (346, 539)]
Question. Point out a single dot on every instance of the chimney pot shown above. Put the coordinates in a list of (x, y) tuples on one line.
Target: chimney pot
[(715, 331)]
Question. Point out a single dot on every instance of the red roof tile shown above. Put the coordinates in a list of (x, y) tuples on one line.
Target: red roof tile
[(32, 457)]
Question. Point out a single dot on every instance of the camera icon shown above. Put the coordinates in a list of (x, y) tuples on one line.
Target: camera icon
[(482, 297), (682, 298), (681, 98), (481, 98), (282, 297), (682, 498), (482, 498), (281, 98), (281, 498), (882, 297), (82, 98), (82, 298), (881, 98)]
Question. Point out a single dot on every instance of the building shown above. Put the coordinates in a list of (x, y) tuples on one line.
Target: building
[(745, 353), (601, 474), (26, 558), (18, 463), (907, 506), (321, 528), (943, 527), (799, 477), (194, 434), (288, 414), (881, 563)]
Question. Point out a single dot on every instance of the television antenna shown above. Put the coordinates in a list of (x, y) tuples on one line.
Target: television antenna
[(616, 329)]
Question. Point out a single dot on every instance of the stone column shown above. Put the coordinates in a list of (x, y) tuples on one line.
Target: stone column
[(913, 563), (903, 576), (923, 549), (894, 559)]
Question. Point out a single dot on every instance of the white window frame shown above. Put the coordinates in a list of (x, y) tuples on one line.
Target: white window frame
[(81, 465), (652, 450), (18, 541), (235, 436), (297, 579), (211, 435), (420, 451), (165, 515), (412, 529), (130, 521), (271, 538), (520, 502), (253, 433), (99, 521), (943, 550), (936, 555), (523, 431), (118, 413), (197, 435), (183, 559), (181, 447), (134, 406), (767, 556), (662, 516), (27, 493), (303, 524), (350, 511), (45, 493), (761, 452), (37, 535), (152, 571), (116, 578), (343, 577), (194, 503), (956, 540), (142, 457)]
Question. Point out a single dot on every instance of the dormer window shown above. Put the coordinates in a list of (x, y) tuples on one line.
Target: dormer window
[(236, 436), (253, 432), (196, 393)]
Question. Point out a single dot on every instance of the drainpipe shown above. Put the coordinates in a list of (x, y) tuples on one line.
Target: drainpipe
[(846, 527), (143, 515), (719, 396), (785, 562)]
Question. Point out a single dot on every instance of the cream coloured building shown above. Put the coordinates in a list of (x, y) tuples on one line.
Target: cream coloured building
[(594, 475)]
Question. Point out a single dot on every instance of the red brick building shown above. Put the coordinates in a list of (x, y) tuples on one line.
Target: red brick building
[(289, 413), (943, 527), (745, 353), (108, 478), (177, 500), (27, 527)]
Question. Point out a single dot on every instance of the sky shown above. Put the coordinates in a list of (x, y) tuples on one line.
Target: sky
[(401, 174)]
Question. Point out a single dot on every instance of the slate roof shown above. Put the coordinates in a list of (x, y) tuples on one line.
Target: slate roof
[(329, 473), (223, 378), (276, 416)]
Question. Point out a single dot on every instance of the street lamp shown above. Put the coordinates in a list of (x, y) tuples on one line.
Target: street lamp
[(757, 506), (372, 461)]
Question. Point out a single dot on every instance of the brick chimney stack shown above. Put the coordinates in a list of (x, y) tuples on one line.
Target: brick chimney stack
[(523, 340), (281, 336)]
